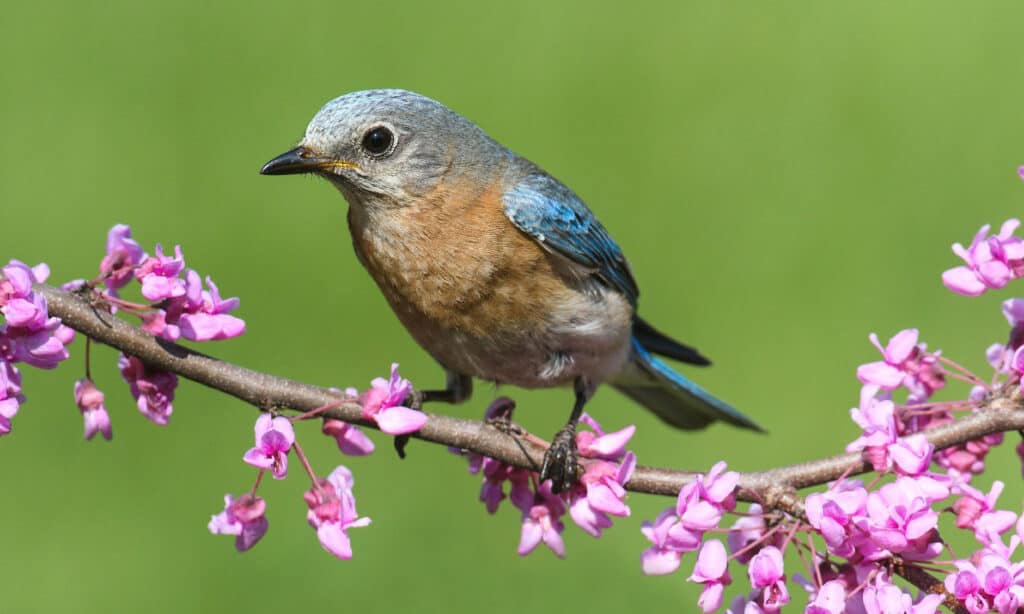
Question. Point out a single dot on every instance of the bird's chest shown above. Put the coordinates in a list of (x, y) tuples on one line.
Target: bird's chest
[(448, 271), (484, 299)]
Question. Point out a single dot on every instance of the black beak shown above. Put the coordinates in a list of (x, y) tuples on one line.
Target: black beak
[(293, 162)]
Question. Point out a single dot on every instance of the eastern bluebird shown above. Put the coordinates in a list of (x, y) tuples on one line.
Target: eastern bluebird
[(497, 270)]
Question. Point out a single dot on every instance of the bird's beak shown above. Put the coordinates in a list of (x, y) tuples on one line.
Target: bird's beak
[(302, 160)]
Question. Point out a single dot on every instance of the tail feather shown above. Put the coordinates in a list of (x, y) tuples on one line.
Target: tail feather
[(674, 399), (657, 342)]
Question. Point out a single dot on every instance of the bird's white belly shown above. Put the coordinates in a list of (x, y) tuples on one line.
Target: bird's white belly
[(586, 337)]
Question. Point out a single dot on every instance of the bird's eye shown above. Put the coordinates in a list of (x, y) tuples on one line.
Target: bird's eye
[(378, 140)]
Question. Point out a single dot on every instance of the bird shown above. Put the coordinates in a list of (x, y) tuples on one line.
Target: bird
[(497, 269)]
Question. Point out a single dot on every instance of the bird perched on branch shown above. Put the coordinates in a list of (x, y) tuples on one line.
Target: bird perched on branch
[(497, 269)]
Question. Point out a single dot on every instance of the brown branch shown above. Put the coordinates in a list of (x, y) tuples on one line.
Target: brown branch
[(774, 488)]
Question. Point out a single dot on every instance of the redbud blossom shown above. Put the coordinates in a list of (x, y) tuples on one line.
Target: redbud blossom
[(274, 438), (670, 541), (991, 261), (766, 572), (351, 440), (884, 597), (906, 364), (382, 403), (159, 275), (332, 512), (699, 508), (542, 522), (712, 571), (152, 389), (601, 494), (10, 394), (244, 517), (89, 400), (746, 530), (977, 511), (206, 317), (123, 255), (598, 444), (829, 599), (29, 335)]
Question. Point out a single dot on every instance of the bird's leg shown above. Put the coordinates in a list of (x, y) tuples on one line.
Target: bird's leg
[(457, 388), (560, 461)]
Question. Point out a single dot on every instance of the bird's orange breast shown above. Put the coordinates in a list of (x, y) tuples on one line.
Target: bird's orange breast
[(456, 271)]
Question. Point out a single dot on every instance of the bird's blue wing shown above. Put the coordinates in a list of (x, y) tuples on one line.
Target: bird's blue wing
[(556, 218)]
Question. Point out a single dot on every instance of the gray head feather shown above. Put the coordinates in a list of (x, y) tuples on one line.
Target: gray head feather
[(430, 142)]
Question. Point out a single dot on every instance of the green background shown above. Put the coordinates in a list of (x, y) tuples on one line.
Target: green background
[(785, 179)]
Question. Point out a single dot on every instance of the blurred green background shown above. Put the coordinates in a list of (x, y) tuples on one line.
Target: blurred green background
[(785, 179)]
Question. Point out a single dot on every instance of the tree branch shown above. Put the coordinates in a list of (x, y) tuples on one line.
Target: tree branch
[(774, 487)]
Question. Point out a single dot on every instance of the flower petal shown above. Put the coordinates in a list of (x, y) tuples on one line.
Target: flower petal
[(400, 420)]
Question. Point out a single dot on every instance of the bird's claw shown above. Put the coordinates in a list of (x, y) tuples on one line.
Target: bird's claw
[(561, 464)]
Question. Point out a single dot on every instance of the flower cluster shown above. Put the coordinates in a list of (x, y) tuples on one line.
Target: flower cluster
[(382, 403), (28, 334), (864, 529), (990, 261), (332, 506), (330, 501), (179, 307), (678, 530), (591, 503)]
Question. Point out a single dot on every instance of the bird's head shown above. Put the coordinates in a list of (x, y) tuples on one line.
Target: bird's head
[(383, 147)]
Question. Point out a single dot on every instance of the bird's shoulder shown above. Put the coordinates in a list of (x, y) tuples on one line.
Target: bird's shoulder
[(557, 219)]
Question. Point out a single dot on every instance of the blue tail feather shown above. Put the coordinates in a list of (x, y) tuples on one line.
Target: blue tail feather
[(675, 399)]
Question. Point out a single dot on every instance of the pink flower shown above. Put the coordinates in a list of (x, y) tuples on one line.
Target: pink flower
[(718, 486), (543, 523), (351, 440), (907, 364), (597, 444), (10, 394), (699, 507), (207, 318), (741, 604), (766, 572), (243, 517), (712, 571), (274, 438), (600, 493), (911, 455), (991, 261), (29, 335), (745, 531), (89, 400), (670, 541), (496, 473), (152, 389), (123, 255), (160, 275), (834, 512), (978, 512), (900, 519), (382, 404), (829, 599), (884, 597), (888, 374), (332, 512), (877, 418)]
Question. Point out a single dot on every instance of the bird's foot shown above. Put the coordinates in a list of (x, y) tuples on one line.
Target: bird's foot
[(561, 464)]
